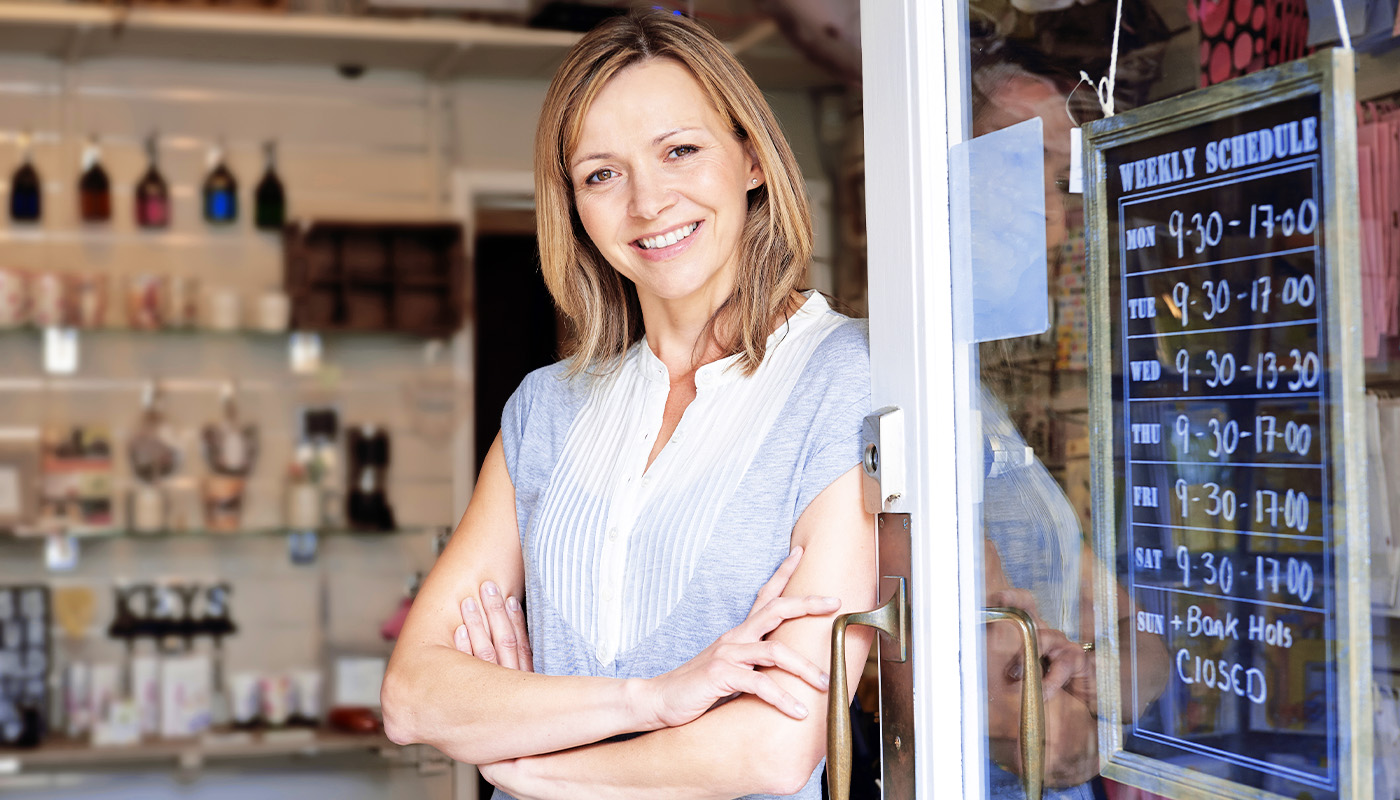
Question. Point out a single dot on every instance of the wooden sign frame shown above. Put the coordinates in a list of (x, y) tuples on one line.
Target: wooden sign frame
[(1330, 76)]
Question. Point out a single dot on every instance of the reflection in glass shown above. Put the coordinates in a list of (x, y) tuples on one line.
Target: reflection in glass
[(1032, 411)]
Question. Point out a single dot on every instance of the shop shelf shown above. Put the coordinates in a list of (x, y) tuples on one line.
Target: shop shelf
[(439, 49), (67, 753), (37, 536), (27, 336)]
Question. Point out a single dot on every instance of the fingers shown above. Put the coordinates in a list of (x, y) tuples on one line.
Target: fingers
[(777, 654), (522, 637), (478, 636), (768, 690), (776, 584), (763, 621), (494, 629), (1067, 660), (502, 629)]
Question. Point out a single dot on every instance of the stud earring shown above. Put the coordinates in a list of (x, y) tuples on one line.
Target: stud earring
[(754, 181)]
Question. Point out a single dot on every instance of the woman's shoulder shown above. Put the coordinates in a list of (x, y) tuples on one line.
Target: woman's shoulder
[(847, 337), (551, 377), (835, 373), (551, 388), (843, 354)]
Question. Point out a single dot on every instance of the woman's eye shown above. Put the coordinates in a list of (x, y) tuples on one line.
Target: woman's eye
[(600, 176), (683, 150)]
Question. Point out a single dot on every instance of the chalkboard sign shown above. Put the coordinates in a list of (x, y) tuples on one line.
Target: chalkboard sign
[(1229, 471)]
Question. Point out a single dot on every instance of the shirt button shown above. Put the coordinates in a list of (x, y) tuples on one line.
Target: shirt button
[(612, 534), (646, 480)]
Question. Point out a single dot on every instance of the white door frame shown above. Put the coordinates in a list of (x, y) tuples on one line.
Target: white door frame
[(916, 102)]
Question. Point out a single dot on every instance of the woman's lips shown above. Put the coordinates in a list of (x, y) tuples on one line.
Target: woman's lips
[(668, 251)]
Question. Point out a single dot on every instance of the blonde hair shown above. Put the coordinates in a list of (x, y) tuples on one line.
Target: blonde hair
[(776, 244)]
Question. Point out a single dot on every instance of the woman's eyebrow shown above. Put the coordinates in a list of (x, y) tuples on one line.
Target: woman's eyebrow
[(605, 156), (592, 157), (668, 134)]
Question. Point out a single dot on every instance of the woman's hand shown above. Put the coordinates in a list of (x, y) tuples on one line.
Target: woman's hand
[(1067, 678), (728, 666), (1064, 663), (494, 630), (1068, 666)]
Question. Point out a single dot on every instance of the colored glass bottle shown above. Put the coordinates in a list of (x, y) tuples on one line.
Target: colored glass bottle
[(26, 193), (94, 189), (270, 200), (220, 191), (152, 194)]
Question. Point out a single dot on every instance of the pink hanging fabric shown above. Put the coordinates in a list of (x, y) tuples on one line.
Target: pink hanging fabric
[(1372, 318), (1378, 174)]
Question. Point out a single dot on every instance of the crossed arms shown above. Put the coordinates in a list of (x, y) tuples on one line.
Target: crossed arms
[(541, 736)]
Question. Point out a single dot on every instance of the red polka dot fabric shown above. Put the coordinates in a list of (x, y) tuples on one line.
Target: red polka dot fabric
[(1243, 36)]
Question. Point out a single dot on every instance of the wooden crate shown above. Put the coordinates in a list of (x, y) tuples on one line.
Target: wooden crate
[(367, 276)]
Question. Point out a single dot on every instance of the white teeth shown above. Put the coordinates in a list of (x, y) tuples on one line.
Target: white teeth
[(666, 240)]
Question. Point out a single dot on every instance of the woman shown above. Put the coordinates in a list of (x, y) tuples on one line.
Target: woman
[(679, 499)]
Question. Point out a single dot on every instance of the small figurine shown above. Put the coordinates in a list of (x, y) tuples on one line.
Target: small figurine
[(231, 449), (155, 455)]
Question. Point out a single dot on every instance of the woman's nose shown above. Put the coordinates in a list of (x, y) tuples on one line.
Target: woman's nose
[(651, 195)]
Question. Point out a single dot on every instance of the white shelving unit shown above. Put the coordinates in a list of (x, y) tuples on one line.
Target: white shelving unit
[(439, 49)]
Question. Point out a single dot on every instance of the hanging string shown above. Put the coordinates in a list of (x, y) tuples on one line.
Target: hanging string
[(1069, 112), (1104, 88), (1342, 23)]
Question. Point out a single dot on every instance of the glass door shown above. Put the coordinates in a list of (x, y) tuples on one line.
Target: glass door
[(980, 316)]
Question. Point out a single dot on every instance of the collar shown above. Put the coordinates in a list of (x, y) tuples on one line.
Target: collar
[(718, 373)]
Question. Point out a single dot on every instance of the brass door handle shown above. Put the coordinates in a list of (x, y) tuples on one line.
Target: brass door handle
[(1032, 701), (892, 618)]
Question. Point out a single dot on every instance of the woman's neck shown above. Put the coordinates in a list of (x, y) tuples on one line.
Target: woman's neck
[(675, 336), (674, 333)]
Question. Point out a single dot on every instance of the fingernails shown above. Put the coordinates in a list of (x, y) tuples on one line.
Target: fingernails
[(460, 635), (470, 605), (796, 551), (835, 600), (824, 679), (512, 604), (800, 709), (490, 589)]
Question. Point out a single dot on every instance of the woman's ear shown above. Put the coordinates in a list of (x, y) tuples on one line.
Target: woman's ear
[(756, 177)]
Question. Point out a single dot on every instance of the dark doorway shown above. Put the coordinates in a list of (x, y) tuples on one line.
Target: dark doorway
[(516, 328)]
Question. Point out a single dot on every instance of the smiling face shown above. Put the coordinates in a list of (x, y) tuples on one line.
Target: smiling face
[(661, 185)]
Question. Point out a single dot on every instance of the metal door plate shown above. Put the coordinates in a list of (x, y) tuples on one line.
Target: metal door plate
[(896, 665)]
